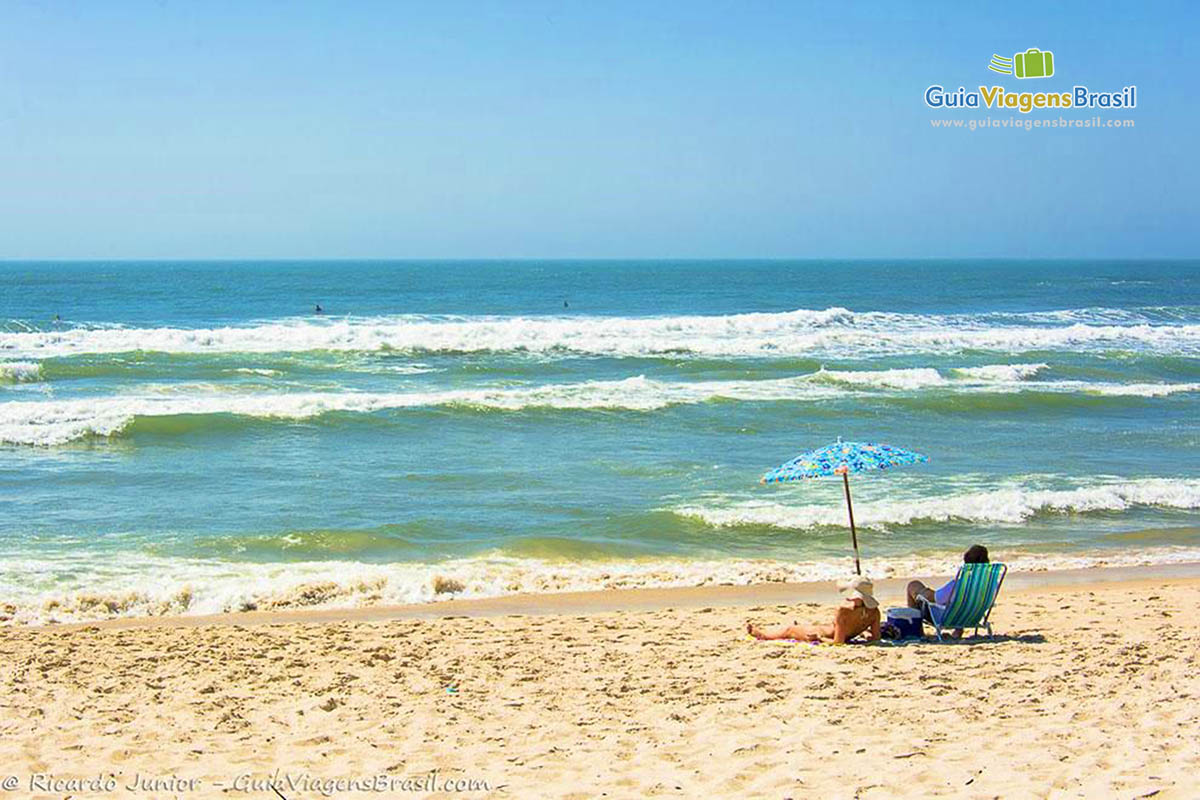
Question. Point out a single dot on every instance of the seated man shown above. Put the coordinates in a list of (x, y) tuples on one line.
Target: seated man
[(976, 554), (860, 614)]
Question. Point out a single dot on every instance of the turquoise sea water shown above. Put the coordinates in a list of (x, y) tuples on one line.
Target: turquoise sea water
[(190, 437)]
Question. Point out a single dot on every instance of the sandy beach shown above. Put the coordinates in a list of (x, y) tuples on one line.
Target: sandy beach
[(436, 400), (1089, 690)]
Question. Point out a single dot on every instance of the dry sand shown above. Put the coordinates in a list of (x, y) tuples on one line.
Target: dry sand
[(1089, 690)]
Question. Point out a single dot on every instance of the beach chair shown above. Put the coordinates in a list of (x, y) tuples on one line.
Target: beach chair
[(970, 605)]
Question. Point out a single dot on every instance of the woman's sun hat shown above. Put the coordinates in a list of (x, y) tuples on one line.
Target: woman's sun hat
[(860, 588)]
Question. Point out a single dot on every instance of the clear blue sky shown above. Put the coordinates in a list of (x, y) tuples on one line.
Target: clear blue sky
[(690, 129)]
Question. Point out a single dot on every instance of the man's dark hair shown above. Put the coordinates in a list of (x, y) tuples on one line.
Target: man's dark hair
[(976, 554)]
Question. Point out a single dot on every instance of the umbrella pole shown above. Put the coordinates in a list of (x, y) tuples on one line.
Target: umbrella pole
[(853, 533)]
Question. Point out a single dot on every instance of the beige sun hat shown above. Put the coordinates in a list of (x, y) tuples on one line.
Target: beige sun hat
[(861, 588)]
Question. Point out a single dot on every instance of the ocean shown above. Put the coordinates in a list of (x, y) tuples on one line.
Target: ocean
[(185, 438)]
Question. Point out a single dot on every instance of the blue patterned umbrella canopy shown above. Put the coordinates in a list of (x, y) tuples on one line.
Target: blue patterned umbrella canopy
[(842, 458)]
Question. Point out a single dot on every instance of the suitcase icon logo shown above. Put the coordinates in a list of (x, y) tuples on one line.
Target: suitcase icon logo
[(1033, 63)]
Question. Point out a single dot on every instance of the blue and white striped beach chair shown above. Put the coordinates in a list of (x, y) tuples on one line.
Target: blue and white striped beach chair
[(970, 604)]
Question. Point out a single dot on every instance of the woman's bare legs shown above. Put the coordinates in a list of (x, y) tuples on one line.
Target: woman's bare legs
[(802, 633), (917, 589)]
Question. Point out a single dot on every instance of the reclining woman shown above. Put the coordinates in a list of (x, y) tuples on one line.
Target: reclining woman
[(858, 615), (976, 554)]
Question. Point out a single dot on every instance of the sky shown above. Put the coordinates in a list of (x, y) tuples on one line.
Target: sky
[(585, 130)]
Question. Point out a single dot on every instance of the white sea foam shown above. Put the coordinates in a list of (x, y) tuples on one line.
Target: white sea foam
[(408, 369), (54, 422), (1000, 372), (92, 588), (59, 421), (1138, 389), (994, 378), (262, 372), (20, 371), (918, 378), (830, 332), (927, 377), (1009, 506)]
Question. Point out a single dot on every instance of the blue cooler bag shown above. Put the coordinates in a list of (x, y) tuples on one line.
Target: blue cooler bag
[(907, 621)]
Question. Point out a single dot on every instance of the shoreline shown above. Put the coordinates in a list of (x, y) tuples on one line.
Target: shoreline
[(632, 600), (75, 589)]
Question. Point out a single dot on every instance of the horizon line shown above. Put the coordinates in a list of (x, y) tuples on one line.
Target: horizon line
[(588, 259)]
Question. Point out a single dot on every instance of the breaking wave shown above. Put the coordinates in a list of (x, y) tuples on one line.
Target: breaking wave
[(926, 377), (20, 372), (55, 422), (1008, 506), (830, 332), (141, 586), (1001, 372)]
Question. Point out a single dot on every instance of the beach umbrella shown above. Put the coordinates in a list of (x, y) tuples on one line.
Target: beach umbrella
[(842, 458)]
